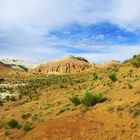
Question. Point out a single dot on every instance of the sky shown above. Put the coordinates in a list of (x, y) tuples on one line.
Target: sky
[(99, 30)]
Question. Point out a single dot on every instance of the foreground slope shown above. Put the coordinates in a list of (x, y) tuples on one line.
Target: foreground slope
[(54, 107)]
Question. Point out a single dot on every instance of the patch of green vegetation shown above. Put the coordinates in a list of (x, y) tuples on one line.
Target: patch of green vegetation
[(112, 77), (75, 100), (33, 86), (13, 123), (25, 116), (91, 99), (27, 126), (95, 76)]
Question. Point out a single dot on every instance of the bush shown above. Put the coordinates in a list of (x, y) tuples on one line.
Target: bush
[(75, 100), (95, 76), (27, 126), (90, 99), (112, 77), (13, 123), (135, 61), (25, 116)]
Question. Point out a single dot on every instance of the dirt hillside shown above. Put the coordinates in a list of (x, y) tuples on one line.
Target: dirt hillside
[(68, 64)]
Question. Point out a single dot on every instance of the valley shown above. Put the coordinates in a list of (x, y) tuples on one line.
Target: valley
[(97, 103)]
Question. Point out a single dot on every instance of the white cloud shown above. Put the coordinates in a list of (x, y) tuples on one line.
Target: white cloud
[(119, 53), (24, 23), (54, 13)]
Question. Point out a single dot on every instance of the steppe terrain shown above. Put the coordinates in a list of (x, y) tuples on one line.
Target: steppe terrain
[(73, 100)]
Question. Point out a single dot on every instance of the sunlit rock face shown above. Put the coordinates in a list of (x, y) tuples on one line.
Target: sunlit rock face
[(68, 64), (17, 64)]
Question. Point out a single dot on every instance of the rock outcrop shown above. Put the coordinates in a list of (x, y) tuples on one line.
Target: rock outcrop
[(17, 64), (68, 64)]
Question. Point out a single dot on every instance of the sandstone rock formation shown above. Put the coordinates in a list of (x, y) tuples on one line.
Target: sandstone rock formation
[(68, 64)]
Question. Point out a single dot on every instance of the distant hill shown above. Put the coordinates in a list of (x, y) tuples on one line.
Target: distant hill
[(107, 64), (134, 61), (68, 64), (17, 64), (5, 68)]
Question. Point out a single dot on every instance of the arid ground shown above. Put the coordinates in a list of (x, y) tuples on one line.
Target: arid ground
[(96, 104)]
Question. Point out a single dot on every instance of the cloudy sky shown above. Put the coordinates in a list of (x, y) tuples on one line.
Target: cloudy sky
[(99, 30)]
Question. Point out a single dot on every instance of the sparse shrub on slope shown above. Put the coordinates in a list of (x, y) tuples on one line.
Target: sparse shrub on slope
[(13, 123), (75, 100), (112, 77), (95, 76), (135, 61), (25, 116), (90, 99), (27, 126)]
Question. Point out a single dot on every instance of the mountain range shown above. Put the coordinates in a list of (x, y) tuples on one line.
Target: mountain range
[(67, 64)]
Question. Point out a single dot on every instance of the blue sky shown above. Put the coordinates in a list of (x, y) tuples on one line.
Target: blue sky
[(38, 30)]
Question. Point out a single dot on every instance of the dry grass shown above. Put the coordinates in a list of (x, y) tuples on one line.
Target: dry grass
[(43, 98)]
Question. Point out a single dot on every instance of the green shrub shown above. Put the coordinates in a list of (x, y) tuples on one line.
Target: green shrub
[(90, 99), (27, 126), (25, 116), (95, 76), (112, 77), (13, 123), (75, 100)]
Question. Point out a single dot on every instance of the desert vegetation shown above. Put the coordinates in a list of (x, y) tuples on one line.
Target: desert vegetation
[(110, 93)]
